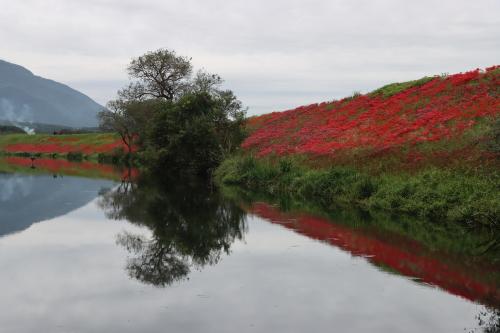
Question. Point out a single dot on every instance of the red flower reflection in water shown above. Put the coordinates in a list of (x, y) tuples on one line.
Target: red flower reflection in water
[(60, 166), (401, 254)]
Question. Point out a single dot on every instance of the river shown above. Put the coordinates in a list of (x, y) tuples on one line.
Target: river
[(116, 254)]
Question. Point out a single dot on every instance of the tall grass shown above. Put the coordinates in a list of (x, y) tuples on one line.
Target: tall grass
[(435, 194)]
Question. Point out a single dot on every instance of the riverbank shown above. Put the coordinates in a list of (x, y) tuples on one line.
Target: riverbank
[(462, 262), (89, 146), (438, 195), (428, 148)]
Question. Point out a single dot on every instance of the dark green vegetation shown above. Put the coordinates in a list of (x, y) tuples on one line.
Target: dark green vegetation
[(439, 195), (494, 143), (175, 121), (9, 129)]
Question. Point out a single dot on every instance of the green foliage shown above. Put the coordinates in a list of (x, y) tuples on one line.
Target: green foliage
[(181, 137), (8, 129), (177, 122), (395, 88), (494, 137), (191, 135), (437, 195), (441, 194)]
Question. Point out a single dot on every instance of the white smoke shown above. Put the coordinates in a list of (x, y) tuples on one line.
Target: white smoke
[(29, 131), (22, 115)]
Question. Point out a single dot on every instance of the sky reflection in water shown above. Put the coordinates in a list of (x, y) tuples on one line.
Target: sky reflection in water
[(68, 274)]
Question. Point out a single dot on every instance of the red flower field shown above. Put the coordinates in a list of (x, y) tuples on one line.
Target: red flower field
[(87, 144), (414, 115)]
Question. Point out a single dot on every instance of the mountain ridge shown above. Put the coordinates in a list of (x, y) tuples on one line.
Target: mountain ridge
[(26, 97)]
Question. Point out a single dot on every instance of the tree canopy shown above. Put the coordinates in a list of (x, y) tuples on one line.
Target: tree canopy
[(176, 119), (158, 74)]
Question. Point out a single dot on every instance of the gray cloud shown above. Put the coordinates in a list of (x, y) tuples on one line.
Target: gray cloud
[(273, 54)]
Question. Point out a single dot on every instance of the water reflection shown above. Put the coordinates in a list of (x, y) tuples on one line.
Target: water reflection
[(474, 278), (192, 226), (295, 271), (488, 321), (27, 199), (61, 167), (38, 189)]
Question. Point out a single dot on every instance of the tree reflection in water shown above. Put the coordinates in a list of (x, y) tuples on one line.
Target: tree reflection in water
[(488, 321), (192, 226)]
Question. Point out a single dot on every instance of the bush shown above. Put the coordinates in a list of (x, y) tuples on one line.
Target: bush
[(192, 135), (364, 188)]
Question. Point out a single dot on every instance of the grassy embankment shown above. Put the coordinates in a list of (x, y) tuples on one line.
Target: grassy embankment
[(428, 148), (92, 146)]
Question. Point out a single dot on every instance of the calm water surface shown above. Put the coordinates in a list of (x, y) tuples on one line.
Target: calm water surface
[(90, 255)]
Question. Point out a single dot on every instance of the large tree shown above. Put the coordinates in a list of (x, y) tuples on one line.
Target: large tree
[(128, 118), (158, 74), (182, 121)]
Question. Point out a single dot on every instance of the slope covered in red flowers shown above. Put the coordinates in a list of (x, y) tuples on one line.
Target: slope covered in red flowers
[(418, 116)]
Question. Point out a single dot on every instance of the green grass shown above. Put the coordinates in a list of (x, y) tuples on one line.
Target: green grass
[(395, 88), (437, 195), (67, 140)]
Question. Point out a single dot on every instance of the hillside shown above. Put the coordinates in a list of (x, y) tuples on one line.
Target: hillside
[(435, 120), (25, 97), (428, 148)]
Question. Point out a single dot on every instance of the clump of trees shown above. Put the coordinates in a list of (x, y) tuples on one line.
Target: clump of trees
[(176, 120)]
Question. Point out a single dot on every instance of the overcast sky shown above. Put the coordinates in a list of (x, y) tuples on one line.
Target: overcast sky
[(274, 54)]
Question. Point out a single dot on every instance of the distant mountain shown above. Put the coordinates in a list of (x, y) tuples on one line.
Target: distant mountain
[(25, 97)]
